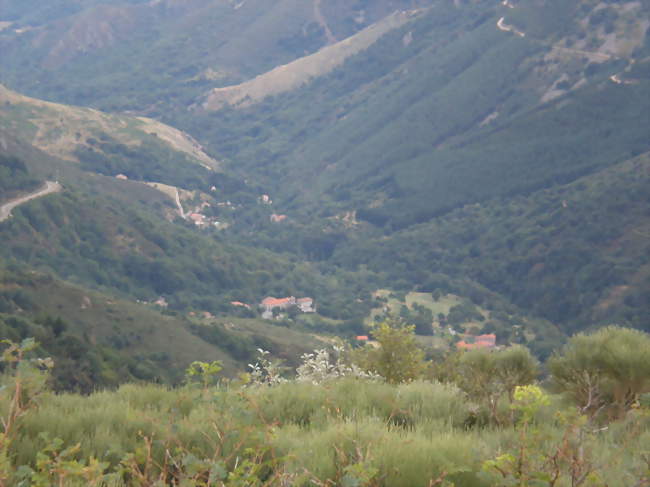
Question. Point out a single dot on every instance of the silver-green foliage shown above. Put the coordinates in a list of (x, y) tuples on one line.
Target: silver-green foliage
[(604, 372)]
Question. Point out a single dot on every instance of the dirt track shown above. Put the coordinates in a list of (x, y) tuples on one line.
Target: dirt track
[(48, 188)]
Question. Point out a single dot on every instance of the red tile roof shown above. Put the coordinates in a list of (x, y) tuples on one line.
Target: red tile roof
[(480, 341), (276, 302)]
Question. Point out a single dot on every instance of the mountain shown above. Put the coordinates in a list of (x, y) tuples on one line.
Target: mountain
[(110, 273), (430, 117), (98, 340), (493, 155), (150, 55), (506, 107), (301, 71), (576, 254), (108, 144)]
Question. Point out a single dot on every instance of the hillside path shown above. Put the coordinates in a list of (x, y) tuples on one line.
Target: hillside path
[(509, 28), (48, 188), (180, 206), (320, 19)]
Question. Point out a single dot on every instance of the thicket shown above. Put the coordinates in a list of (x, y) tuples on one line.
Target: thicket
[(331, 425), (14, 177), (102, 242), (561, 253)]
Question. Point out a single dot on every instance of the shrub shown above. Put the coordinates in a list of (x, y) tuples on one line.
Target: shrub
[(604, 372)]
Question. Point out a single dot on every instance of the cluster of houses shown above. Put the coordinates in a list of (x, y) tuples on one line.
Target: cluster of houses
[(268, 304), (199, 219)]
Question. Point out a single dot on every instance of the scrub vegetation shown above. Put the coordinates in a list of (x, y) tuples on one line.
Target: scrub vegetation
[(334, 424)]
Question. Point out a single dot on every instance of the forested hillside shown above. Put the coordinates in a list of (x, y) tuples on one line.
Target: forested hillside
[(335, 243), (575, 254), (14, 177), (421, 127), (150, 56), (491, 156)]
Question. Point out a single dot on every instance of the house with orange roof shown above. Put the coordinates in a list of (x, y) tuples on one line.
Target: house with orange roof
[(488, 341), (270, 303), (198, 219), (306, 305), (275, 218)]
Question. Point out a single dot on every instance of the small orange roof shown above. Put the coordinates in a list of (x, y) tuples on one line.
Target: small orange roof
[(362, 338), (491, 338), (270, 301), (278, 218), (480, 341)]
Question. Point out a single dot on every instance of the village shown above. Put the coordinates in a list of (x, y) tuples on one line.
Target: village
[(272, 308)]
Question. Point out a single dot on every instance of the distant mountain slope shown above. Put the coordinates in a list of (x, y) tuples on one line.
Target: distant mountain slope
[(576, 254), (62, 130), (299, 72), (406, 131), (499, 147), (121, 54)]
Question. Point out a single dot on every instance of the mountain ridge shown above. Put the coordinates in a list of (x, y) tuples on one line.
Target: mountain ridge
[(59, 129)]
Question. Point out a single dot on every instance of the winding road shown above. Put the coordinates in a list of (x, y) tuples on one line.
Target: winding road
[(180, 206), (320, 19), (48, 188)]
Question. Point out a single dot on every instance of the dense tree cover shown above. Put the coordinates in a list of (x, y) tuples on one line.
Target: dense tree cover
[(415, 154), (416, 165), (14, 177), (414, 147), (105, 243), (150, 161), (575, 254)]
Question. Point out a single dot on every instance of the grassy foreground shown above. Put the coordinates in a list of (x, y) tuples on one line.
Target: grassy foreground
[(370, 418), (347, 432)]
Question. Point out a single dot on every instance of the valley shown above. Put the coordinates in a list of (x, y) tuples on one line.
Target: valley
[(335, 243), (331, 149)]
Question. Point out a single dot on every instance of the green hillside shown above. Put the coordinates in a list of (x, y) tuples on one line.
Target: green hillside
[(576, 254), (14, 177), (477, 103), (493, 151), (464, 114), (150, 56), (98, 340), (334, 243)]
